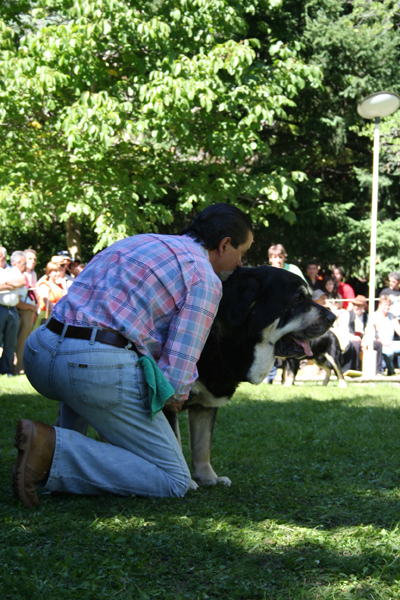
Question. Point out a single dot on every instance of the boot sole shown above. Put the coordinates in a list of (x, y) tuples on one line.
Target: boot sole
[(23, 440)]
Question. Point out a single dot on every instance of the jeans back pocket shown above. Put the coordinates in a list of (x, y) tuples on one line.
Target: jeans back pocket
[(99, 386)]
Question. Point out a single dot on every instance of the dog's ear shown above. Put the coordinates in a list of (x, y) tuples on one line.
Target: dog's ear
[(266, 312), (238, 299)]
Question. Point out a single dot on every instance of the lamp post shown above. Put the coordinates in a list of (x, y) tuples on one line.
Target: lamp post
[(376, 106)]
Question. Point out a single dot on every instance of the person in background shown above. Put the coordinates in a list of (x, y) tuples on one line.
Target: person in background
[(340, 327), (27, 308), (312, 276), (78, 269), (277, 258), (67, 260), (50, 291), (320, 297), (11, 279), (386, 325), (358, 322), (65, 280), (329, 287), (393, 293), (3, 258), (30, 273), (344, 289), (74, 267)]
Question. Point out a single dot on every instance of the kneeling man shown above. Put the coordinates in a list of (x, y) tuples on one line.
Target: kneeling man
[(151, 295)]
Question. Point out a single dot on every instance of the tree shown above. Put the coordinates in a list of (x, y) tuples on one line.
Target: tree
[(356, 45), (124, 113)]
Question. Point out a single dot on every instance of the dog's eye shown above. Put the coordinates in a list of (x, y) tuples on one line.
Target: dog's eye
[(299, 298)]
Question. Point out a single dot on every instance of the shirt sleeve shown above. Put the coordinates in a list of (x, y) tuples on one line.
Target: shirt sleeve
[(188, 332), (297, 271)]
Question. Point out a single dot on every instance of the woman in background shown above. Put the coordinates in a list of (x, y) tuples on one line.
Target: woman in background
[(329, 287), (49, 291)]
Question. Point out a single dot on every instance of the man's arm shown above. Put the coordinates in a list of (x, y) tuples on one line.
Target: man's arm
[(188, 332), (13, 279), (26, 306), (375, 325)]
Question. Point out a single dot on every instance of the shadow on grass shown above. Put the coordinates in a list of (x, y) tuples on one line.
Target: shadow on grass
[(314, 499), (98, 547)]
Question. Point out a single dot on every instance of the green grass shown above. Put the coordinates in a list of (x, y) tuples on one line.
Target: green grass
[(313, 511)]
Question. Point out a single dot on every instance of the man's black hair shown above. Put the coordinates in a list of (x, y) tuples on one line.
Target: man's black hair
[(217, 221)]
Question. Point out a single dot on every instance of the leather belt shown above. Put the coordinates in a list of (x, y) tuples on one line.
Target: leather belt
[(112, 338)]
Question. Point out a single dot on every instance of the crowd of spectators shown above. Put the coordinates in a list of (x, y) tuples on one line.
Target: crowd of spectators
[(352, 326), (26, 301)]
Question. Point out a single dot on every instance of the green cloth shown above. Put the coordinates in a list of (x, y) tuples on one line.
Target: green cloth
[(159, 388)]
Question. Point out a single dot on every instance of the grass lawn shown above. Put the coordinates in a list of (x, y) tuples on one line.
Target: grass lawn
[(313, 511)]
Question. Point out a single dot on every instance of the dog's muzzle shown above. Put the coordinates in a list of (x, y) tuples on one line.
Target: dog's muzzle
[(290, 347)]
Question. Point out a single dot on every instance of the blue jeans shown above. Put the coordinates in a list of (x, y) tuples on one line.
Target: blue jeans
[(388, 353), (9, 322), (103, 386)]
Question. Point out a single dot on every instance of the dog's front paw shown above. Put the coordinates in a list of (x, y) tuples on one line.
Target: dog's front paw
[(193, 485), (204, 474), (214, 480), (342, 383), (225, 480)]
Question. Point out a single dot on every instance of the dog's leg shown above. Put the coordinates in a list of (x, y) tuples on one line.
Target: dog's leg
[(341, 381), (201, 426), (324, 365), (289, 371), (284, 371), (173, 420)]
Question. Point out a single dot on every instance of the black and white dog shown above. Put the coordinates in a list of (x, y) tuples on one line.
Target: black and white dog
[(327, 354), (264, 312)]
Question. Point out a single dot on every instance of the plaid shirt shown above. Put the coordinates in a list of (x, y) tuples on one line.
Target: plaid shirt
[(158, 291)]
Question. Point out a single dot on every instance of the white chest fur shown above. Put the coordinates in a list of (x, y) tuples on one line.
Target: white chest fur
[(264, 355), (205, 398)]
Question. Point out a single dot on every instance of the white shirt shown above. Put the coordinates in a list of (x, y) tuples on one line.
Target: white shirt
[(384, 327), (359, 324), (9, 297)]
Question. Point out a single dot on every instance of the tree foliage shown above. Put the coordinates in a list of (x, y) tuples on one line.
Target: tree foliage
[(356, 45), (123, 112), (131, 115)]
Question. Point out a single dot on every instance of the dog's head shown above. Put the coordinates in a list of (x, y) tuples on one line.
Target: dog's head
[(274, 310)]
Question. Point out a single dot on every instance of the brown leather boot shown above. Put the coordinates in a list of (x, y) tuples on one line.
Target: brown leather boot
[(35, 442)]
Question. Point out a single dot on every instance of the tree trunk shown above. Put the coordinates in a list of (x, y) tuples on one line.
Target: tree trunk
[(74, 242)]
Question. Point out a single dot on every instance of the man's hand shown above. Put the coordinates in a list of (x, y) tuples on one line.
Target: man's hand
[(175, 407)]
